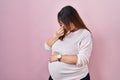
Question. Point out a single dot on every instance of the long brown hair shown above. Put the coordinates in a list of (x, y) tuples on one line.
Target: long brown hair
[(68, 15)]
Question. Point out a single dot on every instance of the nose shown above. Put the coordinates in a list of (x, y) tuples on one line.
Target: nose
[(62, 26)]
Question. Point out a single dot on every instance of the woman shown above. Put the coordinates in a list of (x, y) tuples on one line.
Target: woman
[(70, 47)]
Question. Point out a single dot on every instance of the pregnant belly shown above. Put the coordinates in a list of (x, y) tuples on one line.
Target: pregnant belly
[(59, 69)]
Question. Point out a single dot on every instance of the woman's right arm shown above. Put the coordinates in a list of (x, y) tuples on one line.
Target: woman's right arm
[(54, 38)]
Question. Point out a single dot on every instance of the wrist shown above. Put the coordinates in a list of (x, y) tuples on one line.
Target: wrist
[(59, 56)]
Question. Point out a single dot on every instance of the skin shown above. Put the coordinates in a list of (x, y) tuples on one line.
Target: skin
[(69, 59)]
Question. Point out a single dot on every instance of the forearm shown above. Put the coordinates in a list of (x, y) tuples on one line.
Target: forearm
[(69, 59), (55, 37), (52, 40)]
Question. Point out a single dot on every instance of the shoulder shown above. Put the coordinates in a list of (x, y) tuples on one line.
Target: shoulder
[(84, 32), (86, 36)]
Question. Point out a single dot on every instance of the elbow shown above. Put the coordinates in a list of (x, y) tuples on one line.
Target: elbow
[(48, 48), (82, 60)]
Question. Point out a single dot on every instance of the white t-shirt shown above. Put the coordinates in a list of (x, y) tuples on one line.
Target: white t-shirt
[(79, 43)]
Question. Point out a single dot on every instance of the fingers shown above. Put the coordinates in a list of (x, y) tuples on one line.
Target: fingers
[(60, 31), (53, 57)]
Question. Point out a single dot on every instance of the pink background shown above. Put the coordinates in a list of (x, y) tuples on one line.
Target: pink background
[(26, 24)]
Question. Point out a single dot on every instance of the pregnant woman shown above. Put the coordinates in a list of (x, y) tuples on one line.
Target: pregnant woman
[(70, 47)]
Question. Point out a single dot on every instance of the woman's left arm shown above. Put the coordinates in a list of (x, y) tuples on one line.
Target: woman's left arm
[(82, 58), (69, 59)]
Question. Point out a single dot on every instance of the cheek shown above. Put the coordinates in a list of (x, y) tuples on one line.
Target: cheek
[(66, 28)]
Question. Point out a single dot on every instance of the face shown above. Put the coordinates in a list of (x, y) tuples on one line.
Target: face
[(63, 25)]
